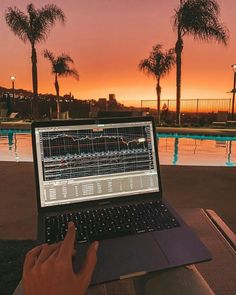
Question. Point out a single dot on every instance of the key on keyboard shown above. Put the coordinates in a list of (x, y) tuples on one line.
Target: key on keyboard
[(106, 223)]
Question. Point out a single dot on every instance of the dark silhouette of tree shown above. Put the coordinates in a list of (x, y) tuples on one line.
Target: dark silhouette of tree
[(60, 68), (34, 28), (199, 18), (158, 65)]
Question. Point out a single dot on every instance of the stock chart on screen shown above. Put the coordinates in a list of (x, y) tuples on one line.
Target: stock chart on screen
[(79, 163), (80, 153)]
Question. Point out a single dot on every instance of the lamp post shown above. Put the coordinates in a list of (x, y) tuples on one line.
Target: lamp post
[(233, 90), (13, 78)]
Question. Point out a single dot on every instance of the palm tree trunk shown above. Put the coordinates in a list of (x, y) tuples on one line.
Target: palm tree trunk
[(58, 97), (178, 52), (158, 90), (35, 83)]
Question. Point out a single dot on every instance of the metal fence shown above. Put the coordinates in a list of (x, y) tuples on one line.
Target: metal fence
[(199, 111), (192, 105)]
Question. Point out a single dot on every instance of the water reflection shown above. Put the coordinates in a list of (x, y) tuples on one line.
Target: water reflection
[(174, 149), (10, 139), (229, 162), (227, 145), (201, 151), (17, 158), (15, 146)]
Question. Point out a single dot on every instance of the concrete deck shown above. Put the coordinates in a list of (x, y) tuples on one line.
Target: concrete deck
[(183, 186), (22, 125)]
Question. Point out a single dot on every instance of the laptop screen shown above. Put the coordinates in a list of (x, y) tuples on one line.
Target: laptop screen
[(92, 162)]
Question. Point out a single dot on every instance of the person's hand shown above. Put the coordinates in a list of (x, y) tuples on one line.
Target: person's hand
[(48, 268)]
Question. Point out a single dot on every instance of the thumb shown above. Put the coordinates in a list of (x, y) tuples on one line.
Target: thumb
[(90, 262)]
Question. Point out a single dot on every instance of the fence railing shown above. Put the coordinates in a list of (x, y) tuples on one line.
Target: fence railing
[(192, 105), (199, 111)]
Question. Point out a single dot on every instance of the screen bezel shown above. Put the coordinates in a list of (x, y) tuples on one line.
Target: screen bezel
[(84, 204)]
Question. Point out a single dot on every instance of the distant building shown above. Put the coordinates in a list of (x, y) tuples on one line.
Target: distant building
[(112, 96), (112, 102), (94, 109), (102, 104)]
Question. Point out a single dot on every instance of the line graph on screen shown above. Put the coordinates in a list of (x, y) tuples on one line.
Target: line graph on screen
[(80, 153)]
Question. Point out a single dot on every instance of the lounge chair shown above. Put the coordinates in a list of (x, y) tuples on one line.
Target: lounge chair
[(220, 120), (11, 117), (231, 124)]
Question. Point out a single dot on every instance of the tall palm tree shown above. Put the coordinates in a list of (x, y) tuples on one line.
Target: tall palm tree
[(34, 27), (158, 65), (199, 18), (60, 68)]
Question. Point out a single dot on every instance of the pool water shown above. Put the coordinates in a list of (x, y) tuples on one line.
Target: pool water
[(174, 149), (15, 145), (197, 150)]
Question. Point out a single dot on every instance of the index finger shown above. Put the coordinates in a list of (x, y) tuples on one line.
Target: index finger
[(67, 246)]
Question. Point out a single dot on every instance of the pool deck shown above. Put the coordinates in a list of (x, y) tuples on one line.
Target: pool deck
[(184, 186), (198, 131), (22, 125)]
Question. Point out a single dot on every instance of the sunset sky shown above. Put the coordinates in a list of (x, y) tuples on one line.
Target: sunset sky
[(107, 39)]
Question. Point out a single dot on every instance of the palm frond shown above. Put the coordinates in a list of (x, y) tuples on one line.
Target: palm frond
[(159, 63), (61, 64), (45, 20), (42, 20), (18, 22), (31, 10), (146, 66), (200, 18), (214, 31), (157, 48), (50, 13), (49, 55), (65, 58), (37, 24), (70, 72)]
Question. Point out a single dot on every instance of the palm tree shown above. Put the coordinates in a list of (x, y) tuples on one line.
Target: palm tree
[(158, 65), (34, 27), (60, 68), (199, 18)]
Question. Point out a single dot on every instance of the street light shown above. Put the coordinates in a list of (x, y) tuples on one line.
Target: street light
[(233, 90), (13, 78)]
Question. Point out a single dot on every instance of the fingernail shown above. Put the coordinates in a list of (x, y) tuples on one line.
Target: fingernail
[(70, 224), (96, 244)]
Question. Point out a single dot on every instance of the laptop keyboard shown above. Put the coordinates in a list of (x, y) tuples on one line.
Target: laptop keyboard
[(112, 222)]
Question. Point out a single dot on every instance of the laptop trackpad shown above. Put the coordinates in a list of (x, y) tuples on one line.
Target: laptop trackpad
[(123, 256)]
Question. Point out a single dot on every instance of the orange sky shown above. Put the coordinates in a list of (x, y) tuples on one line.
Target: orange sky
[(107, 39)]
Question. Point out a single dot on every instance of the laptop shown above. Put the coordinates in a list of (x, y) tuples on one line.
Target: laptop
[(104, 175)]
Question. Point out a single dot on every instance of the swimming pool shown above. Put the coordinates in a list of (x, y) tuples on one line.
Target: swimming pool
[(197, 150), (174, 149)]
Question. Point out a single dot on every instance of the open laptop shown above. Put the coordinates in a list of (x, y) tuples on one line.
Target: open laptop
[(104, 175)]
